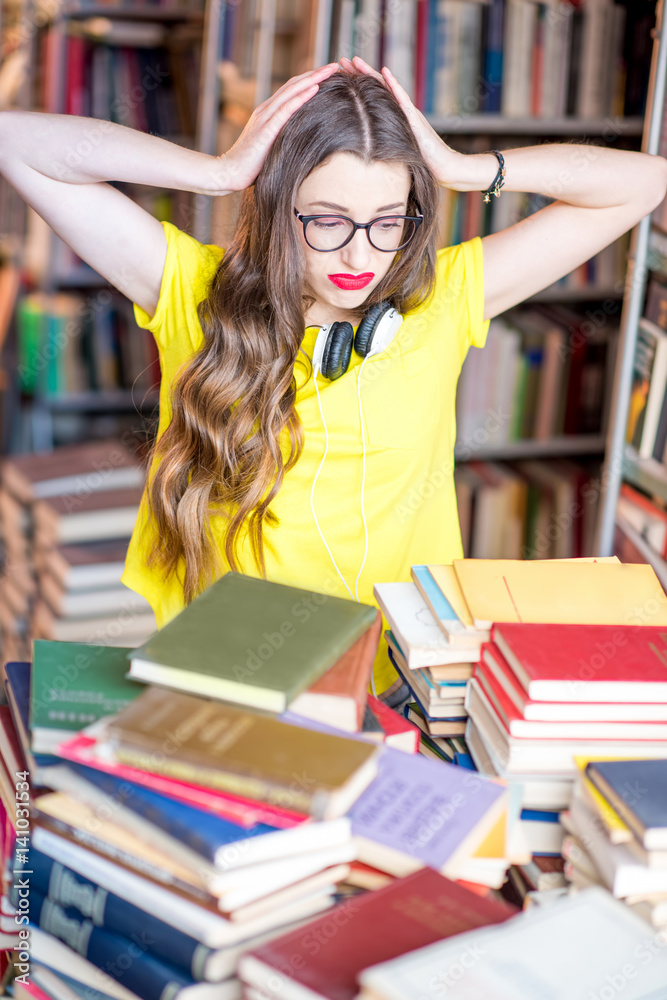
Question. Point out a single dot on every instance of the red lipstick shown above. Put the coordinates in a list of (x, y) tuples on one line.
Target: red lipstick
[(350, 282)]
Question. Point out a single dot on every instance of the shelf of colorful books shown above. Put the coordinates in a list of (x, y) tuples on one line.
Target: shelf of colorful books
[(493, 123), (581, 444), (646, 473)]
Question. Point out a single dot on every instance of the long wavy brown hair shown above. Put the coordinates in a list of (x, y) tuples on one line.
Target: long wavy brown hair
[(234, 403)]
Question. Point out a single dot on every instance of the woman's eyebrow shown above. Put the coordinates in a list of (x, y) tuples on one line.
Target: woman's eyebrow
[(341, 208)]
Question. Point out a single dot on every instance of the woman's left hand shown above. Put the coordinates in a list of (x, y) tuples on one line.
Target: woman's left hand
[(441, 158)]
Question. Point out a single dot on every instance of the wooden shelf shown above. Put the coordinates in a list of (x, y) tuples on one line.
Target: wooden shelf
[(463, 124), (646, 473), (135, 12), (117, 401), (575, 444)]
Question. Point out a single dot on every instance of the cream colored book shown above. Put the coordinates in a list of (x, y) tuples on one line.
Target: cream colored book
[(561, 592)]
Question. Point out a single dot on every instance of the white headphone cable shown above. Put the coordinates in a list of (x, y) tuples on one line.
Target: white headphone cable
[(363, 477), (312, 490)]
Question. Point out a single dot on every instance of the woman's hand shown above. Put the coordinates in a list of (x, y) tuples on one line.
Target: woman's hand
[(239, 166), (443, 161)]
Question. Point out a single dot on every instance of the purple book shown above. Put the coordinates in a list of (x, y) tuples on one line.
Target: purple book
[(425, 809)]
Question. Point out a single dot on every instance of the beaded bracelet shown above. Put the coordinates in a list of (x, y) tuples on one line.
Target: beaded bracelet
[(499, 179)]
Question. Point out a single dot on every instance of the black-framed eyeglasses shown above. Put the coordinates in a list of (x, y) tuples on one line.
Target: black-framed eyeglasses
[(388, 233)]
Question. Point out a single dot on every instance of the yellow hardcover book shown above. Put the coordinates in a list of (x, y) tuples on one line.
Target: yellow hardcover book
[(447, 580), (561, 592)]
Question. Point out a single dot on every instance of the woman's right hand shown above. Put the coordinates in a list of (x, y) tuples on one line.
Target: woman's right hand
[(239, 166)]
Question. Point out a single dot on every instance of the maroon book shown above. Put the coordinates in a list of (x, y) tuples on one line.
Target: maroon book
[(326, 955)]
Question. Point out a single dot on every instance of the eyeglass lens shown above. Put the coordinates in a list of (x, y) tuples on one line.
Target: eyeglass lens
[(330, 232)]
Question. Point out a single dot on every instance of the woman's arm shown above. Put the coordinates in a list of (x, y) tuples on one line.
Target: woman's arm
[(601, 192), (60, 165)]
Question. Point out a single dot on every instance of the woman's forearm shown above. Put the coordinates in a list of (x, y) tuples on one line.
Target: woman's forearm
[(83, 150), (579, 173)]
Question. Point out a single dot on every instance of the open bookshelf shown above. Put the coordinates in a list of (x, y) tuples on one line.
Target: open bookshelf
[(635, 469)]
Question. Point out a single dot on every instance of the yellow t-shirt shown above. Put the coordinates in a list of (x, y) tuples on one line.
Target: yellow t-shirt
[(408, 395)]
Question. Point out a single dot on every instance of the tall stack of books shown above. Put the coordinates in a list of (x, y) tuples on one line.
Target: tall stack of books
[(191, 819), (617, 832), (567, 658), (66, 518)]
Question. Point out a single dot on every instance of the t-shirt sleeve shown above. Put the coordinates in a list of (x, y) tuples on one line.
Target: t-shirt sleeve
[(189, 268), (459, 291), (478, 327)]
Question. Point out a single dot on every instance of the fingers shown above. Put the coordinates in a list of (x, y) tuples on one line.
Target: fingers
[(365, 67), (296, 85)]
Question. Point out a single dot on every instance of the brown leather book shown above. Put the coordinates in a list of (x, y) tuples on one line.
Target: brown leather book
[(257, 756), (338, 698)]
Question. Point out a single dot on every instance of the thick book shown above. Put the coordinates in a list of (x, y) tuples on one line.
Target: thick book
[(637, 791), (229, 748), (585, 729), (225, 844), (339, 696), (409, 913), (579, 663), (415, 628), (82, 749), (207, 926), (68, 888), (421, 812), (252, 641), (72, 685), (572, 949), (151, 978), (494, 663), (559, 591)]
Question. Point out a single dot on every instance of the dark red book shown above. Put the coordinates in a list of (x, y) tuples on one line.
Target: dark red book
[(621, 663), (410, 913)]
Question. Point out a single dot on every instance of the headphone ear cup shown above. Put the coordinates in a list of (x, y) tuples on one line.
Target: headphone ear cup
[(337, 350), (368, 326)]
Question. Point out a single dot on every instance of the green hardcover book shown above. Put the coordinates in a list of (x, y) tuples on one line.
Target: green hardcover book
[(72, 685), (251, 641)]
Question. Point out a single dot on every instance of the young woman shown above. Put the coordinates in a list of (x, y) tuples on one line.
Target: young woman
[(333, 481)]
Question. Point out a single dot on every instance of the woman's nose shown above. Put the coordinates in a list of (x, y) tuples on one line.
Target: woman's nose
[(358, 251)]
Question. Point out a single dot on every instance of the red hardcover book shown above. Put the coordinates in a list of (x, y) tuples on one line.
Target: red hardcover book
[(398, 732), (421, 54), (521, 728), (410, 913), (495, 664), (587, 662)]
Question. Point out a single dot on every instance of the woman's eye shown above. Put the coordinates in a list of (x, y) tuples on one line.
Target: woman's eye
[(329, 224)]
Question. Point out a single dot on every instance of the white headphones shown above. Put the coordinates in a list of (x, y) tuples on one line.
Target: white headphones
[(331, 356)]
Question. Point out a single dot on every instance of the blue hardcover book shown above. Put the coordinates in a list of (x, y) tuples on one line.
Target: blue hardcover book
[(464, 760), (540, 815), (64, 886), (202, 831), (492, 58), (81, 989), (17, 690), (637, 791), (147, 976)]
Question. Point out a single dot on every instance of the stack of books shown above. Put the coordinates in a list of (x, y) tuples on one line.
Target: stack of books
[(66, 518), (563, 664), (617, 832), (191, 819)]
